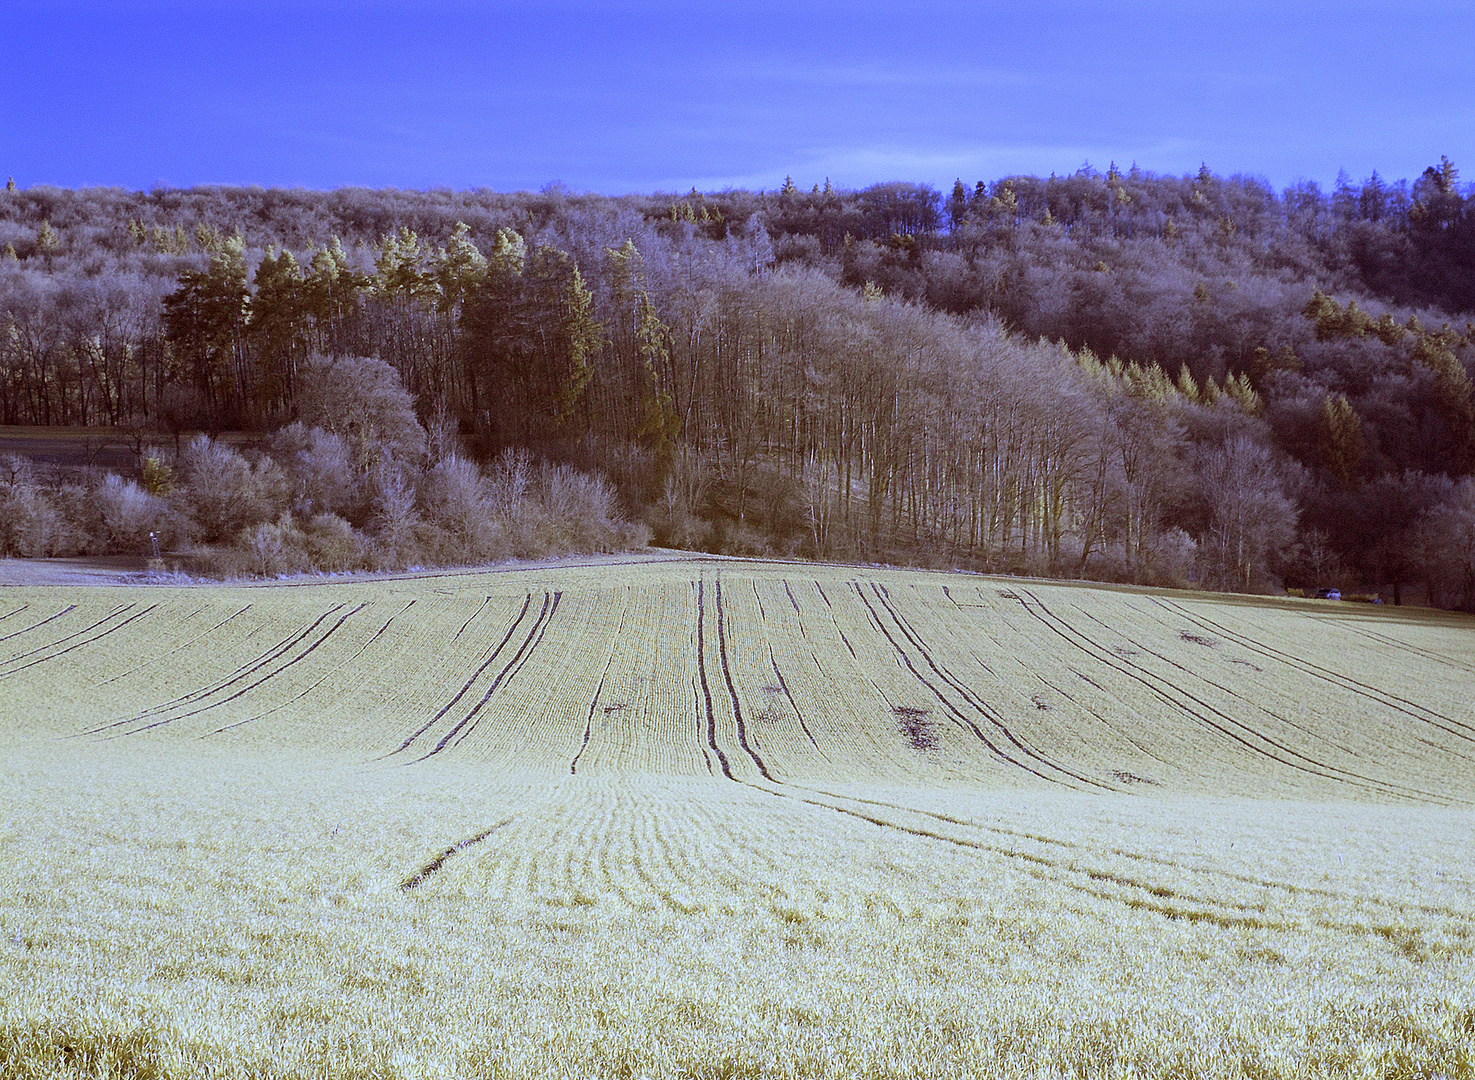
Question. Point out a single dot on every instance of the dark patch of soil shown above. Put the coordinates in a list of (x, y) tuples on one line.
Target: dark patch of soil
[(919, 732)]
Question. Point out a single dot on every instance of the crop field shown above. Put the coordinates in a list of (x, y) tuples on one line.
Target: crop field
[(732, 819)]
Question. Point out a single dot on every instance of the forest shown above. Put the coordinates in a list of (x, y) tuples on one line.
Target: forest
[(1187, 380)]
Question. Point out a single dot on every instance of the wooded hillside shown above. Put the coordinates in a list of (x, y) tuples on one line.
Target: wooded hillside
[(1120, 375)]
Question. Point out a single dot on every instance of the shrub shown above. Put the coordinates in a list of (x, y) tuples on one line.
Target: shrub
[(319, 470), (129, 514), (332, 544), (362, 399), (30, 526), (222, 493)]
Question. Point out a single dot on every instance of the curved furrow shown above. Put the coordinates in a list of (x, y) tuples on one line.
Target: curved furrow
[(120, 609), (1403, 646), (853, 736), (85, 641), (247, 669), (1225, 724), (491, 657), (1101, 718), (609, 658), (706, 688), (1309, 732), (303, 655), (527, 644), (40, 622), (176, 649), (1385, 698), (1290, 889), (972, 699), (957, 715), (773, 663), (737, 711), (326, 676), (471, 619), (519, 661)]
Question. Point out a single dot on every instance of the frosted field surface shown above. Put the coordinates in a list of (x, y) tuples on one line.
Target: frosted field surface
[(691, 819)]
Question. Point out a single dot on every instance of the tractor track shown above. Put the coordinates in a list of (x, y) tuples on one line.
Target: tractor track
[(471, 619), (1235, 694), (491, 656), (1403, 646), (1382, 697), (299, 696), (175, 649), (609, 659), (258, 661), (303, 655), (1225, 724), (706, 694), (519, 661), (79, 644), (737, 712), (957, 715), (773, 662), (1057, 688), (40, 622), (970, 698), (418, 878), (468, 723)]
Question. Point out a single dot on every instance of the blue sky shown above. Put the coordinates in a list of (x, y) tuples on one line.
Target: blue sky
[(612, 96)]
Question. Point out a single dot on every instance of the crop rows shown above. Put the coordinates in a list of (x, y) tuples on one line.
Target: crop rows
[(773, 678)]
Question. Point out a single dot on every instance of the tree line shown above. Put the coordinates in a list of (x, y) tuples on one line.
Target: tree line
[(1118, 375)]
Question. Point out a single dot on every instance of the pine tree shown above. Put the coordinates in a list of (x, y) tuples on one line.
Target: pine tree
[(1339, 431)]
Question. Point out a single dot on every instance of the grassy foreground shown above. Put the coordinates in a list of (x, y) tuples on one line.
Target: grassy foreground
[(845, 824)]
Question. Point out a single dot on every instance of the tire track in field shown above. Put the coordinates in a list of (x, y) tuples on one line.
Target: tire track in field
[(507, 674), (329, 674), (42, 622), (1104, 721), (247, 669), (68, 637), (609, 659), (1422, 653), (958, 716), (468, 723), (835, 619), (177, 648), (1345, 682), (737, 712), (969, 697), (303, 655), (1309, 732), (79, 644), (415, 880), (466, 687), (773, 662), (1044, 869), (1205, 713), (470, 620), (710, 712), (1290, 889)]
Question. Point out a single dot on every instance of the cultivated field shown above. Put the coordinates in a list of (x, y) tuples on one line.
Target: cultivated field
[(728, 819)]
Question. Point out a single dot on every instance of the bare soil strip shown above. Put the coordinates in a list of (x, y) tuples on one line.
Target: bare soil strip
[(80, 644), (419, 877), (491, 656)]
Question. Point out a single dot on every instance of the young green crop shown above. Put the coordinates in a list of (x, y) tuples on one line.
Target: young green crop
[(732, 819)]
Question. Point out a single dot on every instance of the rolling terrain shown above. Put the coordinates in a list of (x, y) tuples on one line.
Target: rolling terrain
[(724, 818)]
